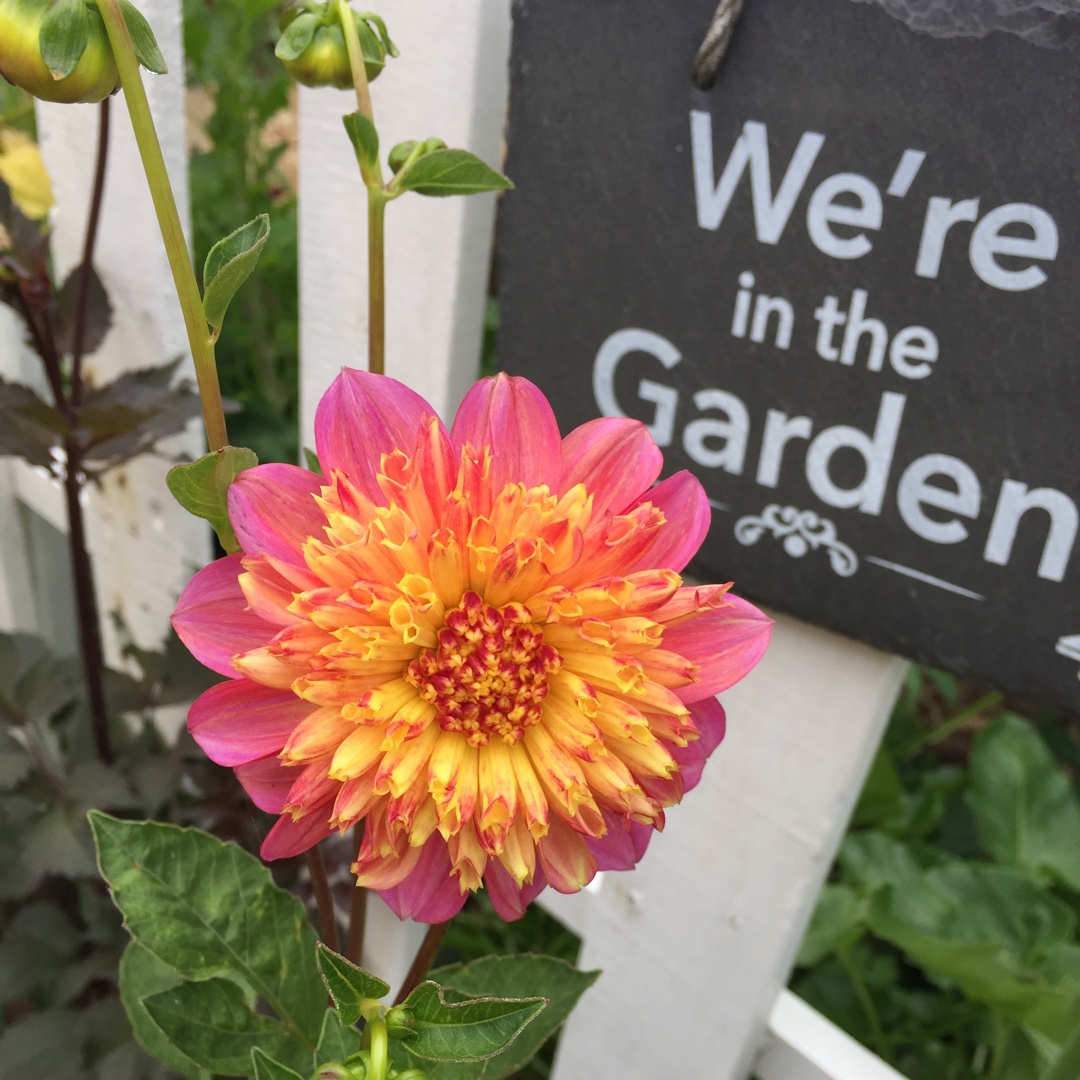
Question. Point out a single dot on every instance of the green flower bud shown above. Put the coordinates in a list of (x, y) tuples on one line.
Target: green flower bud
[(312, 45), (399, 154), (399, 1018), (91, 77)]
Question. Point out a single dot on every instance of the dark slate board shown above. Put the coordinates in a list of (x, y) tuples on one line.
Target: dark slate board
[(602, 235)]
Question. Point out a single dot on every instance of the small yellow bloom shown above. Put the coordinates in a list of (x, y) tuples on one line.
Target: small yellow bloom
[(22, 169)]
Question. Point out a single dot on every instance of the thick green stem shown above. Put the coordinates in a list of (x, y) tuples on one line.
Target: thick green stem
[(1066, 1066), (379, 1047), (877, 1032), (376, 282), (356, 58), (187, 289)]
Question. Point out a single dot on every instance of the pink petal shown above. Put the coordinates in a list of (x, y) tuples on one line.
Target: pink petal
[(725, 643), (513, 417), (708, 715), (212, 620), (615, 850), (360, 418), (507, 897), (288, 837), (686, 507), (273, 511), (267, 781), (429, 894), (239, 721), (615, 458)]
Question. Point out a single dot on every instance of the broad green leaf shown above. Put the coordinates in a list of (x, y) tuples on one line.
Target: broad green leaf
[(872, 859), (337, 1041), (207, 908), (450, 172), (509, 976), (211, 1023), (229, 264), (838, 921), (64, 34), (989, 931), (1026, 811), (364, 138), (471, 1030), (142, 38), (143, 975), (347, 984), (266, 1068), (201, 488)]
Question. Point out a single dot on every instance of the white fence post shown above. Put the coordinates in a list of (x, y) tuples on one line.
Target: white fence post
[(144, 545)]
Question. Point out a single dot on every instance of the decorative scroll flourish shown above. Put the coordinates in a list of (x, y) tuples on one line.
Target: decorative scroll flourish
[(802, 531)]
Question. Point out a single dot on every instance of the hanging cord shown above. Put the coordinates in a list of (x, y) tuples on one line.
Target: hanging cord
[(717, 38)]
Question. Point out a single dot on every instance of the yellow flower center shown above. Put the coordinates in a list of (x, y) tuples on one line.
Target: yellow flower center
[(487, 677)]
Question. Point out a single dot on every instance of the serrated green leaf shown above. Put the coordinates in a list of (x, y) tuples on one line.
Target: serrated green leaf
[(347, 984), (364, 138), (297, 35), (466, 1031), (143, 975), (212, 1024), (201, 487), (508, 976), (989, 931), (337, 1042), (207, 908), (266, 1068), (449, 172), (142, 38), (229, 264), (1025, 809), (837, 922), (63, 36)]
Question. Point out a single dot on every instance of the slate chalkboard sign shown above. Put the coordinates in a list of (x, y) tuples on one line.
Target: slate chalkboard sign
[(842, 286)]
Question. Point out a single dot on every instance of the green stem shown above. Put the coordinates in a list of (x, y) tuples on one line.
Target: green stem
[(953, 724), (877, 1032), (1003, 1030), (1066, 1066), (376, 282), (356, 58), (379, 1046), (172, 233)]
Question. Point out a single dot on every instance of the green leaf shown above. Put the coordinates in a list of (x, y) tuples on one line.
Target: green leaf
[(64, 34), (364, 138), (201, 487), (312, 460), (1026, 811), (142, 38), (266, 1068), (512, 976), (143, 975), (838, 921), (229, 264), (207, 908), (297, 35), (992, 933), (470, 1030), (449, 172), (882, 796), (872, 859), (347, 984), (337, 1042), (212, 1024)]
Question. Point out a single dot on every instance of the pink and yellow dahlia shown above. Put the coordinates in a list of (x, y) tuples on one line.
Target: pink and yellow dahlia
[(475, 642)]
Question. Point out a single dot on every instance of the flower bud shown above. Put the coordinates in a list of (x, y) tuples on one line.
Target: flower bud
[(92, 77), (312, 45), (399, 1022)]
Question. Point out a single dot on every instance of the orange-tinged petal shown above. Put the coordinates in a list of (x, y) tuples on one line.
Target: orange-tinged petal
[(316, 736), (616, 789), (568, 864), (570, 728), (267, 667), (532, 800), (401, 766), (563, 781), (311, 788), (358, 753), (355, 799), (468, 856), (497, 796), (385, 871), (650, 758), (452, 778), (518, 853), (670, 669), (608, 671)]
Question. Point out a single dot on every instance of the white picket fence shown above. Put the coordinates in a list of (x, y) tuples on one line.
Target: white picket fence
[(696, 944)]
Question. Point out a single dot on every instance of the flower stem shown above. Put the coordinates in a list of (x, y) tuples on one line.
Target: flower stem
[(877, 1032), (172, 233), (378, 1047), (86, 268), (324, 899), (425, 956), (954, 723), (376, 282), (356, 58)]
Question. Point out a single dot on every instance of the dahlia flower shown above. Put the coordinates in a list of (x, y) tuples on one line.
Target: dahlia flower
[(475, 642)]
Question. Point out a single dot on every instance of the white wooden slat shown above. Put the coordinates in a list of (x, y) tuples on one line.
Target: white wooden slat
[(450, 81), (802, 1045), (698, 941), (144, 545)]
